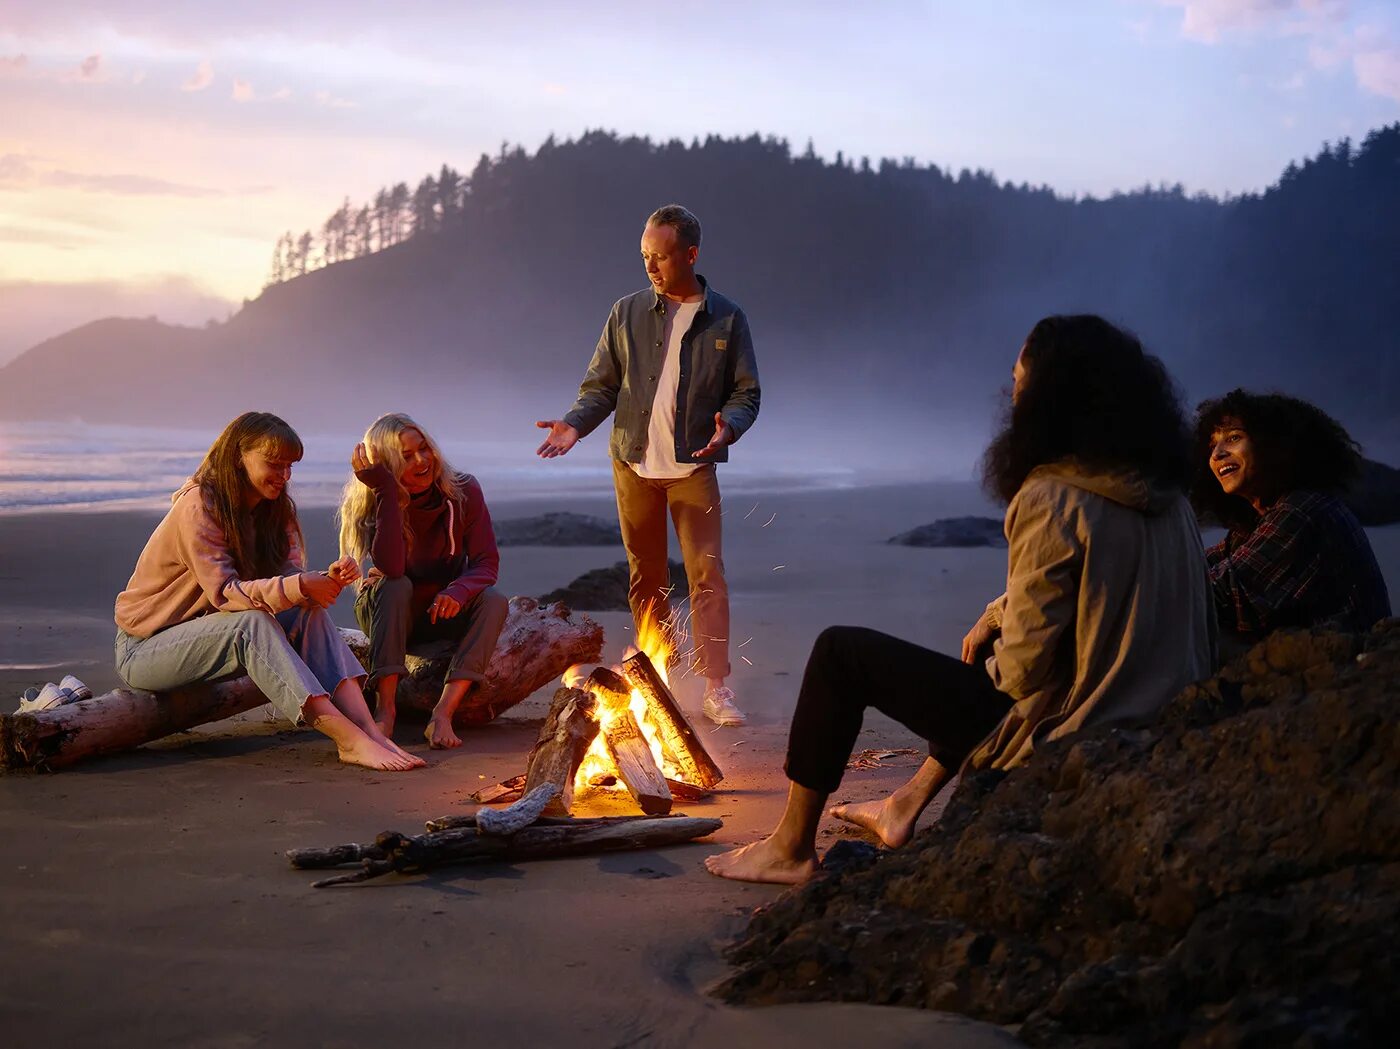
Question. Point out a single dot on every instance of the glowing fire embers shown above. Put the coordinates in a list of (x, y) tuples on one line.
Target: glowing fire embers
[(644, 739)]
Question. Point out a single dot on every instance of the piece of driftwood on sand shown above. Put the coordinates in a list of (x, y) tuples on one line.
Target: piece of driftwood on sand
[(537, 645), (116, 721), (394, 852)]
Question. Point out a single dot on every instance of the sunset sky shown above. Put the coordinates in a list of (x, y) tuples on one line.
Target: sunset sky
[(152, 151)]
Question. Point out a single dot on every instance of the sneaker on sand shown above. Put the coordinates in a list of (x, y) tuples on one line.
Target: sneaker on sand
[(720, 708), (76, 689), (46, 698)]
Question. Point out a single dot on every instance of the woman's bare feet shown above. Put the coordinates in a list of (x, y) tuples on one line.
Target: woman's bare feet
[(764, 861), (440, 735), (384, 718), (389, 745), (366, 752), (883, 818)]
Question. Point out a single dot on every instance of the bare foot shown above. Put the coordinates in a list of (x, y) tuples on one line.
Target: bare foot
[(892, 827), (365, 751), (390, 745), (384, 721), (763, 861), (439, 734)]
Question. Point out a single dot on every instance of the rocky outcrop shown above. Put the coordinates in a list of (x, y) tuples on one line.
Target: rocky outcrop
[(557, 529), (605, 589), (1226, 876), (955, 531)]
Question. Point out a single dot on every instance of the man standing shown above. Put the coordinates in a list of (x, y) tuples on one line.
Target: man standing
[(676, 362)]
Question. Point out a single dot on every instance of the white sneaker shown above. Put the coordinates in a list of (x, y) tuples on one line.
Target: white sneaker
[(76, 689), (46, 698), (720, 708)]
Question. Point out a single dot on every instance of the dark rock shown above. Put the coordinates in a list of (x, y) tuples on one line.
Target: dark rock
[(955, 531), (557, 529), (1375, 497), (605, 589), (1226, 876)]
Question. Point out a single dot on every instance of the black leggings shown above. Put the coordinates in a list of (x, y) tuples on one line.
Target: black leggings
[(950, 703)]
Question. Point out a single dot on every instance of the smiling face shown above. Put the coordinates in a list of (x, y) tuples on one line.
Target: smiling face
[(420, 465), (1233, 461), (670, 265), (268, 468)]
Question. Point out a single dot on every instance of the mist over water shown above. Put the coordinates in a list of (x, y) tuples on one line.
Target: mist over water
[(68, 466)]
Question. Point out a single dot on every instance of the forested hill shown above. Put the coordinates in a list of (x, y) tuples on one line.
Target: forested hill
[(893, 292)]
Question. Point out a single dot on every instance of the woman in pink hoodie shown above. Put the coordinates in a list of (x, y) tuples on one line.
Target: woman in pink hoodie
[(221, 589)]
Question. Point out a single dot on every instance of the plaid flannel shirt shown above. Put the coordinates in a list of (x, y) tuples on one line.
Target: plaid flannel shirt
[(1306, 562)]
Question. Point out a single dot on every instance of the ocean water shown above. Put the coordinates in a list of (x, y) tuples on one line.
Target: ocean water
[(53, 466)]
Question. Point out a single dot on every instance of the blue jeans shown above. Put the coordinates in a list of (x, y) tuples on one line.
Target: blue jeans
[(290, 657)]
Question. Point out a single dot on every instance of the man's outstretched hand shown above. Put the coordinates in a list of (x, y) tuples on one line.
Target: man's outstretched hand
[(561, 438), (724, 435)]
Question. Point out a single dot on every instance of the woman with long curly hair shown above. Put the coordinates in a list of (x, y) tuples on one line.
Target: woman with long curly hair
[(221, 588), (1271, 469), (1106, 613), (428, 532)]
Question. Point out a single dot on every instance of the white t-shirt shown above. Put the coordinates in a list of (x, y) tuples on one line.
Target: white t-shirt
[(659, 460)]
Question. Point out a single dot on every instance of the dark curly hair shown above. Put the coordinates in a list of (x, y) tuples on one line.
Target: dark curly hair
[(1296, 446), (1093, 394)]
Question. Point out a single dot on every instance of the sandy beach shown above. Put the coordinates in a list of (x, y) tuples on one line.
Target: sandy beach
[(146, 898)]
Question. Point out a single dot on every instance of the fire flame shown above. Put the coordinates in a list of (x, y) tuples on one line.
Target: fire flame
[(656, 641)]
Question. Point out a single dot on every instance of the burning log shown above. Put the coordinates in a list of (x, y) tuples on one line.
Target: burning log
[(116, 721), (677, 737), (392, 851), (537, 644), (636, 767), (682, 791), (564, 738)]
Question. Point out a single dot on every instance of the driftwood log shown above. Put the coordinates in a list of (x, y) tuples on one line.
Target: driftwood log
[(537, 644), (392, 851), (520, 815), (564, 738), (116, 721), (677, 737)]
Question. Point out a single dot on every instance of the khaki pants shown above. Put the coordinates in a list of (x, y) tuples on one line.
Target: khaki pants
[(694, 503)]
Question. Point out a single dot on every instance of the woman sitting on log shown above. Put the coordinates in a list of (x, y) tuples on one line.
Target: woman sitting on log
[(221, 589), (1106, 613), (428, 531), (1270, 468)]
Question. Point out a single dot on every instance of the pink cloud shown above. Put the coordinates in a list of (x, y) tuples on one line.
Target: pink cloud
[(202, 77), (90, 67), (1378, 71), (1208, 20), (242, 91), (13, 64)]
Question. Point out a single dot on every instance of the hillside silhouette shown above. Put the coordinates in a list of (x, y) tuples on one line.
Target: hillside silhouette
[(886, 299)]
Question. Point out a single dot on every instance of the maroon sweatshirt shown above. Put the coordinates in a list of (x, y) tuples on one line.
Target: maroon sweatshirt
[(454, 551)]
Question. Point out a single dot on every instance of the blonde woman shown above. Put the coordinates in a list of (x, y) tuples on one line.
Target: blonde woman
[(222, 588), (428, 532)]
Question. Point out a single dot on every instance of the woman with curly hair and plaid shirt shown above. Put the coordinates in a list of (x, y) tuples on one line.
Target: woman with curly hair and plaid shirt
[(1271, 469)]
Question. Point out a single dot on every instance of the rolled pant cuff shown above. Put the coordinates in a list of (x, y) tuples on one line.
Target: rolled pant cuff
[(372, 678), (811, 780)]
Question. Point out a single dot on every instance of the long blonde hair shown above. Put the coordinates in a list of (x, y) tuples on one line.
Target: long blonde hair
[(356, 513)]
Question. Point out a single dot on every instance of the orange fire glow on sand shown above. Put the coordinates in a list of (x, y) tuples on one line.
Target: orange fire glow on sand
[(655, 641)]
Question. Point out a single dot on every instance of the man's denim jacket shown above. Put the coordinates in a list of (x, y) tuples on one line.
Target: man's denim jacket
[(718, 374)]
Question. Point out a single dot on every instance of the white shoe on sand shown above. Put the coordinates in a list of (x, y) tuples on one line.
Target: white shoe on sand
[(46, 698), (720, 708), (76, 689)]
